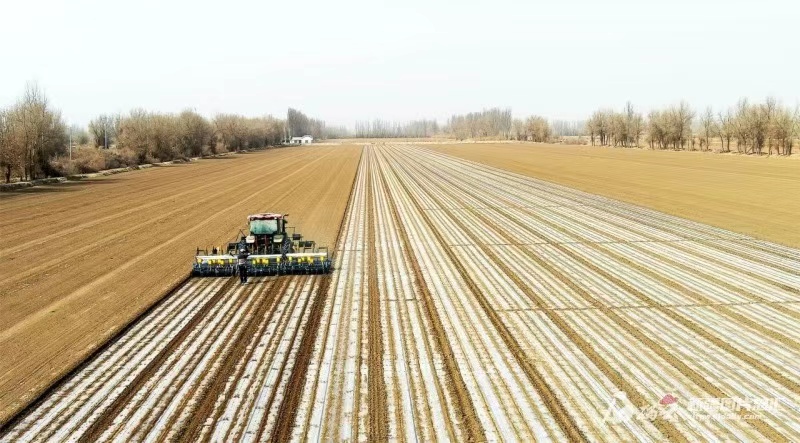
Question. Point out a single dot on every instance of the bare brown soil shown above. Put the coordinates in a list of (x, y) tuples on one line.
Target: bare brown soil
[(469, 303), (79, 260), (750, 195), (378, 416)]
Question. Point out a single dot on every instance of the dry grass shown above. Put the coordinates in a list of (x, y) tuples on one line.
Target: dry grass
[(750, 195)]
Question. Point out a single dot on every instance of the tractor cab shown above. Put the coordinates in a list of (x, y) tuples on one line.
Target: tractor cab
[(267, 235)]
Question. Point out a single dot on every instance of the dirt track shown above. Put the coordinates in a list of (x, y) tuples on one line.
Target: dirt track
[(79, 260), (481, 305)]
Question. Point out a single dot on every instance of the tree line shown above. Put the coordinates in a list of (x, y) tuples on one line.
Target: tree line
[(489, 123), (387, 129), (754, 127), (32, 132), (498, 123), (35, 141), (299, 124)]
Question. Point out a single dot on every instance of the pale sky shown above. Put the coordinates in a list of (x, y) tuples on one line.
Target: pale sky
[(347, 60)]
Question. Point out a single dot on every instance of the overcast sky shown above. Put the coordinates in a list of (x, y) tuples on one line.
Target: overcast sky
[(347, 60)]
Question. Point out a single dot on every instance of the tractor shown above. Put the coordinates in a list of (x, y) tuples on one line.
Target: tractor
[(269, 248)]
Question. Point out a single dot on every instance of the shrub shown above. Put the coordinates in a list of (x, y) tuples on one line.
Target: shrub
[(63, 166), (120, 158), (89, 160)]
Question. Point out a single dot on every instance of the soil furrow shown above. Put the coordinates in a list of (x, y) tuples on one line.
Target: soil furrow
[(113, 410), (766, 430), (156, 404), (378, 409), (54, 412), (472, 426), (289, 361), (555, 406), (219, 380)]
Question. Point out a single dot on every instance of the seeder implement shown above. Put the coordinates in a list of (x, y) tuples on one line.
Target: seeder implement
[(266, 250), (257, 265)]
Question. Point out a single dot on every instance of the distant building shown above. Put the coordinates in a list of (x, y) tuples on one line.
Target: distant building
[(304, 140)]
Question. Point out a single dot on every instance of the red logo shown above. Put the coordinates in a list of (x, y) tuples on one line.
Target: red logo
[(668, 400)]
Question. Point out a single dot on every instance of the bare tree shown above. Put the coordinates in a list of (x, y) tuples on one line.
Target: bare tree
[(564, 128), (592, 128), (725, 129), (10, 155), (741, 125), (681, 116), (783, 129), (537, 129), (707, 123), (489, 123), (103, 130), (600, 126), (36, 133)]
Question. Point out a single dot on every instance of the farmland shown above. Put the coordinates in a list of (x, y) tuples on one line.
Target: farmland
[(754, 196), (468, 302), (79, 260)]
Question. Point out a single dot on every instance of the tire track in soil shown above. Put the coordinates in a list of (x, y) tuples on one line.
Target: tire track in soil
[(219, 381), (107, 417), (294, 389), (764, 428), (378, 408)]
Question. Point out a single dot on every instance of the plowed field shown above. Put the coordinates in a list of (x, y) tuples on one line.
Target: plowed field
[(79, 260), (757, 196), (468, 303)]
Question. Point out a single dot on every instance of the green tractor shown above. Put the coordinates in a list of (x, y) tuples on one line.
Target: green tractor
[(267, 249)]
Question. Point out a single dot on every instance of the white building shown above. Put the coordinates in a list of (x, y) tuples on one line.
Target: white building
[(304, 140)]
